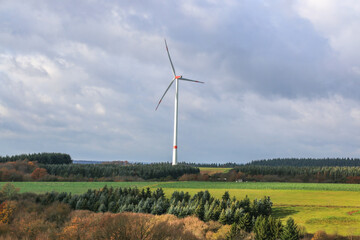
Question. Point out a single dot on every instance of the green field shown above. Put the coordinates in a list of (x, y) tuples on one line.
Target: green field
[(334, 208), (212, 170)]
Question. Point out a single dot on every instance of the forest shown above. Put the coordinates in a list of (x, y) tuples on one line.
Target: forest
[(32, 171), (308, 162), (45, 158), (300, 174), (139, 171)]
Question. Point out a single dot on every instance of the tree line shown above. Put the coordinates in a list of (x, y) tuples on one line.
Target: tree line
[(304, 174), (32, 171), (144, 171), (308, 162), (44, 158)]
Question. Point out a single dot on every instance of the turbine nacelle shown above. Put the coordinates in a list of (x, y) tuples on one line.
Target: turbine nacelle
[(178, 77)]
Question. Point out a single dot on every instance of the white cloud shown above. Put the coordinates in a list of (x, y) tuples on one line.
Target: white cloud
[(99, 109), (4, 112), (339, 22)]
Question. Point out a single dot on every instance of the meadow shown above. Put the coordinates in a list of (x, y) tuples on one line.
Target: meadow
[(212, 170), (334, 208)]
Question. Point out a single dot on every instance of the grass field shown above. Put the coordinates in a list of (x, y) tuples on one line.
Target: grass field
[(212, 170), (334, 208)]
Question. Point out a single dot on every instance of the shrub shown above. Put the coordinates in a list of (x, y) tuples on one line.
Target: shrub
[(9, 190)]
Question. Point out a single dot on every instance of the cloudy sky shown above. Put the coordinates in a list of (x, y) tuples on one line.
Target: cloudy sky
[(84, 77)]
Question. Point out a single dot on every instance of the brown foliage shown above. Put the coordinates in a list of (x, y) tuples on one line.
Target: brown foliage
[(131, 226), (194, 177), (16, 171), (57, 221), (354, 179), (57, 213), (38, 173), (6, 211)]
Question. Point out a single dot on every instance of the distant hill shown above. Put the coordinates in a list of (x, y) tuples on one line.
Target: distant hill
[(308, 162)]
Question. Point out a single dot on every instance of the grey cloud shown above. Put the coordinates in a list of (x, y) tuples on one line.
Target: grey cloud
[(85, 78)]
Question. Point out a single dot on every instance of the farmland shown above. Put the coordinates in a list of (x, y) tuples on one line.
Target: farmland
[(211, 170), (334, 208)]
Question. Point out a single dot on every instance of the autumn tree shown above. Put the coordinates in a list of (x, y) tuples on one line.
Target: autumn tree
[(38, 173)]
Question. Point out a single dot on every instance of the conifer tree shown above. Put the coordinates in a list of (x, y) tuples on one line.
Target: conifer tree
[(290, 231), (200, 211), (222, 217), (79, 204), (237, 215), (229, 216), (112, 207), (262, 229), (276, 227), (102, 208), (216, 213), (235, 233), (226, 196), (245, 222), (207, 211)]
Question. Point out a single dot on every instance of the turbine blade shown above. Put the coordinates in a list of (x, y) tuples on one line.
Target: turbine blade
[(190, 80), (164, 94), (172, 65)]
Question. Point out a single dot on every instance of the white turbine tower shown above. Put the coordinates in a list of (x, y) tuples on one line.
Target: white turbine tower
[(176, 79)]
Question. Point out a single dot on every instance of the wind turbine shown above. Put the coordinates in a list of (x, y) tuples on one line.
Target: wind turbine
[(176, 80)]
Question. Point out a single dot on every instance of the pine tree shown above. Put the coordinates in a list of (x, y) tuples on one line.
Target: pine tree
[(275, 227), (222, 217), (245, 222), (290, 231), (207, 211), (102, 208), (237, 215), (79, 204), (234, 232), (229, 216), (262, 229), (157, 208), (112, 207), (171, 210), (200, 211), (226, 196)]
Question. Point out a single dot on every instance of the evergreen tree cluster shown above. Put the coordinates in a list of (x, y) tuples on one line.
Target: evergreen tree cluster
[(308, 162), (265, 227), (330, 174), (43, 158), (226, 211), (144, 171), (202, 204)]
